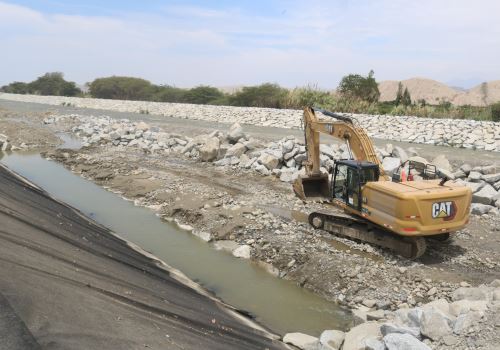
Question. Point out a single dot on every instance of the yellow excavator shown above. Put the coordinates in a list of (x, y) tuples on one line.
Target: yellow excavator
[(375, 208)]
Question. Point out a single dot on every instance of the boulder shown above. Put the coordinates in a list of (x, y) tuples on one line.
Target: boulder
[(388, 328), (332, 338), (485, 195), (3, 139), (301, 340), (466, 168), (491, 178), (142, 126), (210, 150), (6, 146), (355, 339), (261, 169), (469, 293), (375, 315), (475, 176), (287, 146), (466, 321), (441, 162), (243, 252), (235, 133), (374, 344), (489, 169), (400, 153), (434, 324), (480, 209), (269, 161), (391, 164), (396, 341), (236, 150), (475, 186)]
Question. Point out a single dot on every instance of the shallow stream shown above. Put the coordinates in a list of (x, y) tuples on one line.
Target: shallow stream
[(278, 304)]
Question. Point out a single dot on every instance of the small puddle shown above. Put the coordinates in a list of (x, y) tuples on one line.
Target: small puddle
[(278, 304)]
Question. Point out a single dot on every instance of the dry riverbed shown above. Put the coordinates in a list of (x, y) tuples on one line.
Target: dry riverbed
[(259, 218)]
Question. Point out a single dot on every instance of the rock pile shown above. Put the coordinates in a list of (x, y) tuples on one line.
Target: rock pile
[(447, 132), (282, 159), (462, 323)]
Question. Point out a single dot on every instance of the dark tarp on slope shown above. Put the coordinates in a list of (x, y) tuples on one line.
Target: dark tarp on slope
[(67, 283)]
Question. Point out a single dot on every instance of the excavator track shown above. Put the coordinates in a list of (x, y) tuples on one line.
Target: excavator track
[(358, 229)]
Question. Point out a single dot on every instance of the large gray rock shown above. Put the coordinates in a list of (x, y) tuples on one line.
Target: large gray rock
[(236, 150), (355, 339), (475, 176), (441, 162), (466, 168), (475, 186), (489, 169), (485, 195), (434, 324), (302, 341), (466, 321), (491, 178), (390, 164), (269, 161), (3, 139), (480, 209), (396, 341), (400, 153), (374, 344), (388, 328), (332, 339), (243, 252), (210, 150), (235, 133), (469, 293)]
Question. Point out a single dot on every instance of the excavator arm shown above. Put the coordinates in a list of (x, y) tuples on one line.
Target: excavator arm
[(359, 144)]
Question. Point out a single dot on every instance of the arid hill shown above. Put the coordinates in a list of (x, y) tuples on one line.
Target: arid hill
[(433, 92)]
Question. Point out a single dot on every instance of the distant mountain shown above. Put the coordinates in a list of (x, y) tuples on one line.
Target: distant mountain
[(434, 92)]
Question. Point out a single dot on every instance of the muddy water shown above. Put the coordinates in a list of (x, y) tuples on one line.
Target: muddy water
[(277, 304)]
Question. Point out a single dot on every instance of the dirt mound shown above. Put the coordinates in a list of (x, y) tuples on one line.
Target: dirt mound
[(433, 92)]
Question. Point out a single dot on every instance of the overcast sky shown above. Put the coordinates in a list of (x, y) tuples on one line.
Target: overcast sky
[(227, 43)]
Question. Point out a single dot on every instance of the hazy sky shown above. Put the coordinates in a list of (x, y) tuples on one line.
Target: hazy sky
[(224, 43)]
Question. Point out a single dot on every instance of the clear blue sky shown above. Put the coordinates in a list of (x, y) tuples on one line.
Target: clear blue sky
[(226, 43)]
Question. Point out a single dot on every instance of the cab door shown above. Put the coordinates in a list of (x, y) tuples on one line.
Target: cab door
[(353, 189)]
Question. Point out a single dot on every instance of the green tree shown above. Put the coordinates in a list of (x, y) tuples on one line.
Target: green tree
[(265, 95), (16, 87), (399, 94), (355, 86), (121, 88), (53, 84), (406, 100), (203, 95), (167, 93)]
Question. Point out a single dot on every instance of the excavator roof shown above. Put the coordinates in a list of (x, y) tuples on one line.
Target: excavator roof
[(356, 163)]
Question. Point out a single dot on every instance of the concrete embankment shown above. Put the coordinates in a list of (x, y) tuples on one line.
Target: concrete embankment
[(69, 283)]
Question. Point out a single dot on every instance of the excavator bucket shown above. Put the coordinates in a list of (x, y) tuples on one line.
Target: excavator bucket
[(312, 188)]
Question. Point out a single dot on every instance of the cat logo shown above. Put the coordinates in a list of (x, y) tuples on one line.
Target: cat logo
[(444, 210)]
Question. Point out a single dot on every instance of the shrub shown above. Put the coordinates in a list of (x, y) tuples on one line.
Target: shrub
[(202, 95), (495, 112), (309, 96), (52, 84), (16, 87), (121, 88), (265, 95)]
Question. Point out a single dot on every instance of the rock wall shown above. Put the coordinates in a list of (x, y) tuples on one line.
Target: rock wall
[(447, 132)]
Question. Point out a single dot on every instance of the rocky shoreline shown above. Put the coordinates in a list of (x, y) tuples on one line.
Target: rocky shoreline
[(470, 134)]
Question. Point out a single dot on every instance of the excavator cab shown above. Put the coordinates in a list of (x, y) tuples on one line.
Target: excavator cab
[(348, 178)]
